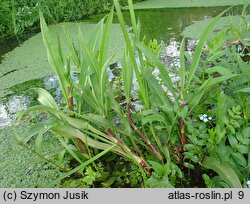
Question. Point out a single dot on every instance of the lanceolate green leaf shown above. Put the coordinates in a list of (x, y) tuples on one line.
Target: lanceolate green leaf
[(92, 64), (159, 94), (88, 53), (132, 17), (131, 51), (69, 132), (82, 166), (213, 81), (206, 86), (223, 170), (90, 99), (95, 39), (127, 75), (72, 48), (105, 39), (153, 118), (163, 71), (54, 57), (199, 48), (67, 147), (220, 69), (183, 68), (244, 90), (240, 159), (45, 98), (75, 122)]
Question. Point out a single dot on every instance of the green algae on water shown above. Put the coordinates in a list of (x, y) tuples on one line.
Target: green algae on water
[(195, 30), (29, 61), (152, 4), (21, 167)]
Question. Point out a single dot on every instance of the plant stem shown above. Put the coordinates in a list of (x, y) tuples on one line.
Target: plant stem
[(138, 159), (182, 131), (70, 99), (247, 109), (143, 136), (182, 126), (77, 141)]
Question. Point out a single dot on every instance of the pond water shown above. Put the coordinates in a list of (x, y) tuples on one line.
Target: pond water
[(164, 25)]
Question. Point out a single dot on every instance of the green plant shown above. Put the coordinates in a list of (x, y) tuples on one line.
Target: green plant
[(91, 87), (19, 16), (173, 132)]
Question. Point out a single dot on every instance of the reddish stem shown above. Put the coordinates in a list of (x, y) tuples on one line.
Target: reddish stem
[(70, 99), (78, 141), (143, 136), (183, 133), (141, 161)]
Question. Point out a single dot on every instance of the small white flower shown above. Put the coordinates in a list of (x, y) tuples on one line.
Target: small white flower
[(210, 118), (201, 117), (204, 115), (205, 120)]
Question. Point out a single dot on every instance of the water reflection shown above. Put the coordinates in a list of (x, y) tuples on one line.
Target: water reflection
[(165, 24)]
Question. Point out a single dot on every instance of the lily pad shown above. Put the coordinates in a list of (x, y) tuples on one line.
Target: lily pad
[(29, 61), (150, 4), (195, 30)]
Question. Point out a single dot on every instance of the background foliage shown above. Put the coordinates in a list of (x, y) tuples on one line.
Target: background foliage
[(18, 16)]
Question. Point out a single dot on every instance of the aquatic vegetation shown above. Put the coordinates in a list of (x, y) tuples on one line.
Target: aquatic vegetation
[(193, 131), (29, 61), (150, 4), (223, 24), (26, 166)]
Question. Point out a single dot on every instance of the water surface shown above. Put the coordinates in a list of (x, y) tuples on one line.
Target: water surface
[(168, 23)]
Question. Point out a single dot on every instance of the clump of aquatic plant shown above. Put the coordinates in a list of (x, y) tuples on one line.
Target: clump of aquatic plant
[(86, 119), (182, 127)]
